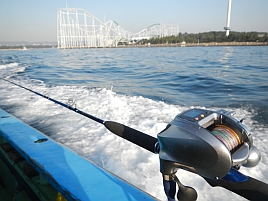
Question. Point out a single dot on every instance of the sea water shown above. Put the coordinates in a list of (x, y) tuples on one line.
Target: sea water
[(144, 88)]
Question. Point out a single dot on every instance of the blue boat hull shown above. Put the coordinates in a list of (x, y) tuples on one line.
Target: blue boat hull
[(71, 176)]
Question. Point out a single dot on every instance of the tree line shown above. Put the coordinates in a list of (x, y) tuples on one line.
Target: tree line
[(208, 37)]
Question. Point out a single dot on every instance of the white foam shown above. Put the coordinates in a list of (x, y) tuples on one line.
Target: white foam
[(8, 70), (95, 142), (10, 65)]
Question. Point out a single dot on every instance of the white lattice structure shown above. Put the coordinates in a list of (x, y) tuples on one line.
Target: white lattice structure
[(76, 28), (156, 30)]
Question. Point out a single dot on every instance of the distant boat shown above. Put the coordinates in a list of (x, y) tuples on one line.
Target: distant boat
[(183, 44)]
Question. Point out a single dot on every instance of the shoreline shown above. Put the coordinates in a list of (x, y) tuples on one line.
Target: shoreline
[(212, 44), (202, 44)]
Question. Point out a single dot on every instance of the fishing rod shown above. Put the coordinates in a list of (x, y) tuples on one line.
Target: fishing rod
[(212, 144), (141, 139)]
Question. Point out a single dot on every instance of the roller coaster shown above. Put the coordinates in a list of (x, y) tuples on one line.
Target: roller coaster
[(77, 28)]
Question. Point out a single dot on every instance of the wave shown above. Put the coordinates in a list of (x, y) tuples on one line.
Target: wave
[(9, 70), (9, 65)]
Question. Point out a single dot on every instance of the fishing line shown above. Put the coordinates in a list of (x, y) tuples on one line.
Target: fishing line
[(227, 136)]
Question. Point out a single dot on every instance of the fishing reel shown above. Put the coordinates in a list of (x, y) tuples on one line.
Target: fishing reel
[(208, 143)]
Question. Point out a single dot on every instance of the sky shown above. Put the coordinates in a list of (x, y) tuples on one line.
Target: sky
[(36, 20)]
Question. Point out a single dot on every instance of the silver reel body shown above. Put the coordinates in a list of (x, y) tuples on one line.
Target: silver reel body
[(206, 142)]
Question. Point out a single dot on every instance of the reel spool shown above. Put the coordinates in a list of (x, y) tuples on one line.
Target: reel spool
[(227, 136)]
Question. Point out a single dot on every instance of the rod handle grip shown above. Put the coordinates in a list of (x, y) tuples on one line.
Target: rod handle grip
[(251, 189), (141, 139)]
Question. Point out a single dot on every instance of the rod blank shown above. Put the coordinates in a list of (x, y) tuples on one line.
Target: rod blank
[(141, 139)]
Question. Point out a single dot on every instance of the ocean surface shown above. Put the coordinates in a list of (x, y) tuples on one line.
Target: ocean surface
[(144, 88)]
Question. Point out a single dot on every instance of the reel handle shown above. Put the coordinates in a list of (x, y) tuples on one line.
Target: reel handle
[(251, 189)]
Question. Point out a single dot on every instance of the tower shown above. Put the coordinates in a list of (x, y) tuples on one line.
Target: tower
[(228, 28)]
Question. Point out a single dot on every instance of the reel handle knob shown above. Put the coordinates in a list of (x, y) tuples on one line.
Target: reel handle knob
[(187, 193)]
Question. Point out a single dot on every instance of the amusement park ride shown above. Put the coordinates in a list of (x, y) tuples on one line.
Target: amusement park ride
[(76, 28)]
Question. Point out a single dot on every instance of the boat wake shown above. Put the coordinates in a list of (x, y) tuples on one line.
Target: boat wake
[(96, 143)]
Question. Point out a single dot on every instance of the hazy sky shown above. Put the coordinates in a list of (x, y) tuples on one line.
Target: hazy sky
[(36, 20)]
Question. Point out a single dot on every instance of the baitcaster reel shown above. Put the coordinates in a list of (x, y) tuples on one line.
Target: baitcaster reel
[(209, 143)]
